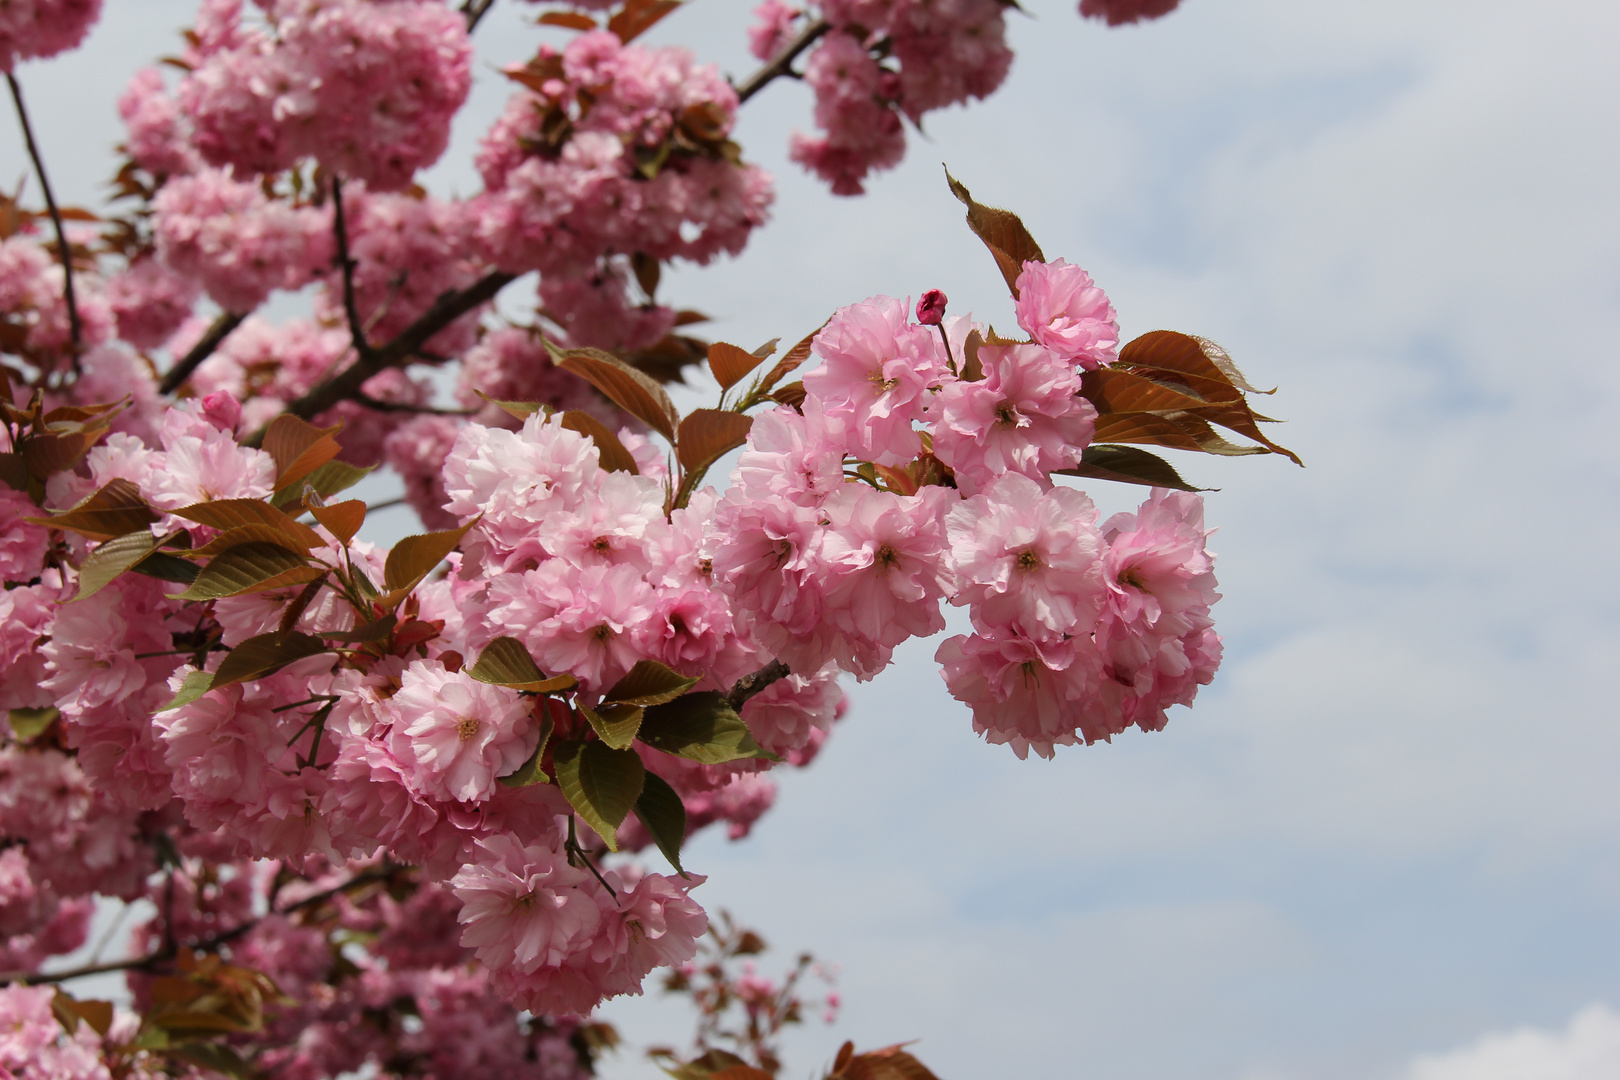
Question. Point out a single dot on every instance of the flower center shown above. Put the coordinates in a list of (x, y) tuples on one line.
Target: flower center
[(881, 385), (886, 557), (1028, 559), (467, 728), (1007, 413), (1129, 577)]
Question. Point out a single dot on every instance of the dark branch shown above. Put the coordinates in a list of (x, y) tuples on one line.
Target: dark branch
[(379, 405), (208, 944), (749, 685), (782, 62), (346, 384), (217, 332), (475, 10), (351, 309), (75, 328)]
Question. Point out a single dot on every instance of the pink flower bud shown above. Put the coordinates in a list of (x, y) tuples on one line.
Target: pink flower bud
[(222, 410), (931, 308)]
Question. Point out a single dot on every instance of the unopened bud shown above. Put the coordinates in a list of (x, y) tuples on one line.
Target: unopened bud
[(931, 308)]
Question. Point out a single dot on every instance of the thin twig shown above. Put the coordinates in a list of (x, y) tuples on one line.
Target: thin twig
[(75, 329), (351, 308), (386, 504), (217, 332), (782, 62), (475, 10), (208, 944)]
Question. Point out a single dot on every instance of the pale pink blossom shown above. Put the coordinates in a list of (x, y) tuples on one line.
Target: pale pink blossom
[(1060, 308), (458, 733), (1028, 561), (875, 377), (31, 29), (1025, 416)]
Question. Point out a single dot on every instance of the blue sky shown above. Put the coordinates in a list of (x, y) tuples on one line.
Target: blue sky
[(1389, 833)]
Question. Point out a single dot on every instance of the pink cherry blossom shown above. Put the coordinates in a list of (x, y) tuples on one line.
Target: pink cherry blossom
[(1028, 561), (1060, 308), (458, 733), (1025, 416), (874, 381)]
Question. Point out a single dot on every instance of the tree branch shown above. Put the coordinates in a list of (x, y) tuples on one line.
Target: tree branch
[(208, 944), (75, 328), (749, 685), (782, 62), (345, 385), (475, 10), (217, 332), (351, 308)]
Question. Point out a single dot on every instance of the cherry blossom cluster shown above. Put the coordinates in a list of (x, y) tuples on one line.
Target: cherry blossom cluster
[(611, 150), (1080, 629), (878, 63), (34, 29), (365, 87)]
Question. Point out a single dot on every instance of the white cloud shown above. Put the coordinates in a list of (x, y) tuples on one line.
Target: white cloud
[(1589, 1049)]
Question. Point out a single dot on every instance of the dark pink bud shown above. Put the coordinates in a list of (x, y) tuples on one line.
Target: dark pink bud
[(931, 308), (222, 410)]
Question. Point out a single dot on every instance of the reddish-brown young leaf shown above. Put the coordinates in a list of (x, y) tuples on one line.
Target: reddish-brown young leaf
[(571, 19), (115, 509), (707, 433), (233, 513), (1116, 392), (298, 447), (245, 534), (342, 519), (792, 394), (1002, 232), (730, 364), (972, 369), (58, 451), (639, 16), (1177, 430), (610, 451), (631, 390), (791, 359)]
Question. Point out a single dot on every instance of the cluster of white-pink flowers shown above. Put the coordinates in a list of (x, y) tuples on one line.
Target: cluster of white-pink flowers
[(1080, 630)]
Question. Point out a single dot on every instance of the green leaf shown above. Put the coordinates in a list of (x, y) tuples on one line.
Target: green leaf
[(600, 783), (375, 630), (195, 685), (225, 514), (28, 724), (615, 724), (530, 771), (505, 662), (250, 568), (414, 557), (663, 814), (701, 727), (1128, 465), (216, 1057), (265, 655), (650, 683), (103, 565), (328, 480), (166, 567), (115, 510)]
